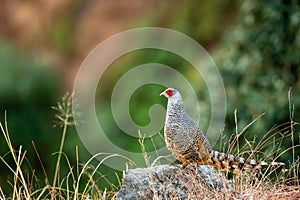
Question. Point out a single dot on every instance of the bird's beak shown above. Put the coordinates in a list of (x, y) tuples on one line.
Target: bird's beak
[(162, 94)]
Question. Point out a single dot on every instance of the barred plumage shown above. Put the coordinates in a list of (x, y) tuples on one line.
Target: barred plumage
[(188, 144), (235, 164)]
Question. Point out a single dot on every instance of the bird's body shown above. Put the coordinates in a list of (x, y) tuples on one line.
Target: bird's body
[(188, 144)]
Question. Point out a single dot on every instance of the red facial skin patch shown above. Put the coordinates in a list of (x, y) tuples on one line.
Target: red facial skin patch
[(170, 92)]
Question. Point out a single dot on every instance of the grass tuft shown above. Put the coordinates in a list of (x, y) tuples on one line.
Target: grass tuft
[(82, 180)]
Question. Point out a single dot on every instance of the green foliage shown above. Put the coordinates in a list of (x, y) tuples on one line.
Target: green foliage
[(24, 81), (27, 90), (204, 21), (263, 63)]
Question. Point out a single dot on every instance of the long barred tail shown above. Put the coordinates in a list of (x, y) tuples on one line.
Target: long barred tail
[(235, 164)]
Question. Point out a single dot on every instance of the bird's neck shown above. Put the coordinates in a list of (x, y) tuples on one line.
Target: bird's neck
[(175, 108)]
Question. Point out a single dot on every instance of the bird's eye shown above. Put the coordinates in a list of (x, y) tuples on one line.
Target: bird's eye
[(170, 92)]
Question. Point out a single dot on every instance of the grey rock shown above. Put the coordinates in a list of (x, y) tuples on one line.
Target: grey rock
[(174, 182)]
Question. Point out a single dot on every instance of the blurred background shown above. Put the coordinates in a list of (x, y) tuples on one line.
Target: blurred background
[(255, 45)]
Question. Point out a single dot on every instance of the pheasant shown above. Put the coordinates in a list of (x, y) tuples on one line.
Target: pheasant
[(188, 144)]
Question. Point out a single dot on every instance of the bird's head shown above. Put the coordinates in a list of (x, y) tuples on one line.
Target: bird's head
[(170, 93)]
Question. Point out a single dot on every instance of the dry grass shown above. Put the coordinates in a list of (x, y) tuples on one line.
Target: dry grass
[(67, 187), (270, 183)]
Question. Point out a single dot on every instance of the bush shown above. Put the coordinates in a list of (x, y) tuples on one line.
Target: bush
[(263, 64), (28, 89)]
